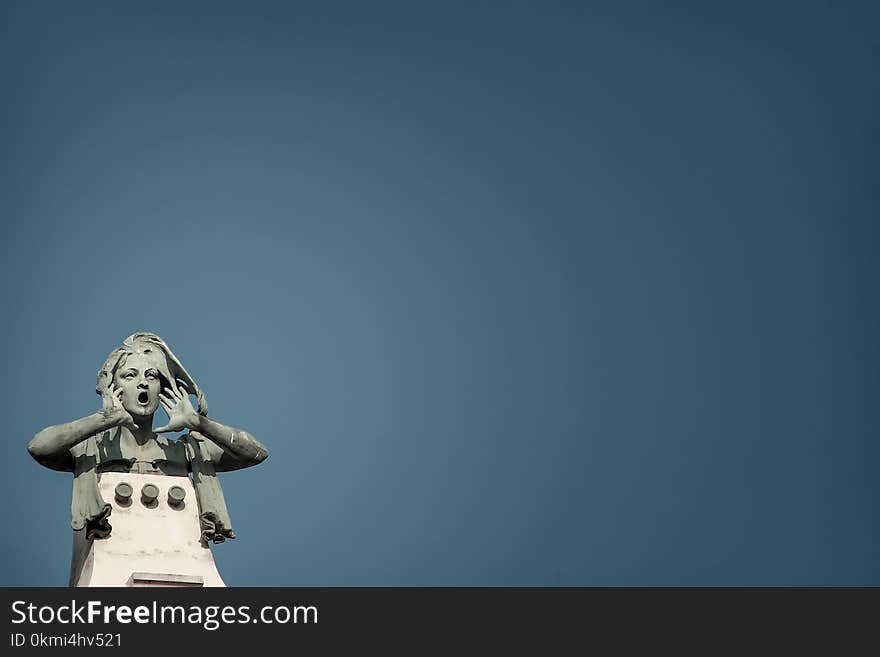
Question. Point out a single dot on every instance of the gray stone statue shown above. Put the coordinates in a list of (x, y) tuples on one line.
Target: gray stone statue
[(118, 445)]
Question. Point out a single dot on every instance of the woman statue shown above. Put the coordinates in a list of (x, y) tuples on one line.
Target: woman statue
[(135, 380)]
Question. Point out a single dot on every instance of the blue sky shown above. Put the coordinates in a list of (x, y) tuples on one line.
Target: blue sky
[(514, 294)]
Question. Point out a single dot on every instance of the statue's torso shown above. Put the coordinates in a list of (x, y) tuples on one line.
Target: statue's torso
[(119, 452)]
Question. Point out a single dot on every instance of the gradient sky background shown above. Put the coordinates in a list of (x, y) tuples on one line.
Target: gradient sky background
[(514, 293)]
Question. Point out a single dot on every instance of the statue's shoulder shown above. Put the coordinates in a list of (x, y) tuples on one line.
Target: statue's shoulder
[(198, 447), (171, 444)]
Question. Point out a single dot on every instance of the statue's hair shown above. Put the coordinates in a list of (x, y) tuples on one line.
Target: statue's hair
[(174, 372)]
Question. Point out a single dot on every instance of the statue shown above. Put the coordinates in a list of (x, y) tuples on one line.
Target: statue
[(159, 541)]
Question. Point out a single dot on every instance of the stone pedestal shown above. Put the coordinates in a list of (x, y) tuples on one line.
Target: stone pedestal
[(154, 542)]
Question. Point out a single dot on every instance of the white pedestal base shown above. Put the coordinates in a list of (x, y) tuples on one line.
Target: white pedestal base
[(156, 545)]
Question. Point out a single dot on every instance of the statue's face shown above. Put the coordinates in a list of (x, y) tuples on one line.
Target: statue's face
[(139, 380)]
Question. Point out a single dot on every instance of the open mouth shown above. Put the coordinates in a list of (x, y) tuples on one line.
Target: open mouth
[(143, 397)]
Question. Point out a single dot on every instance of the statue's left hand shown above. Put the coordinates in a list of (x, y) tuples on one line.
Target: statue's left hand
[(181, 414)]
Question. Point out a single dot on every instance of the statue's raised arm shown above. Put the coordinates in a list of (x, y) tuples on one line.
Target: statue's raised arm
[(237, 448), (51, 446)]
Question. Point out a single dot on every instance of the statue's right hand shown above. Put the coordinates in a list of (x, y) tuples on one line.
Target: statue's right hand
[(113, 410)]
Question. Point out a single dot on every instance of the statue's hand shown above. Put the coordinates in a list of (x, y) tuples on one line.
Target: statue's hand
[(181, 414), (112, 409)]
